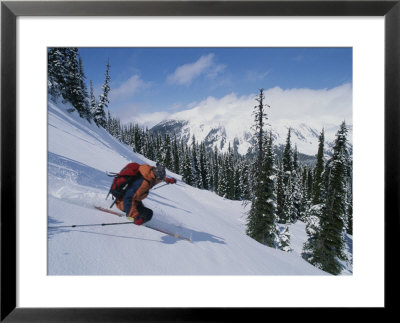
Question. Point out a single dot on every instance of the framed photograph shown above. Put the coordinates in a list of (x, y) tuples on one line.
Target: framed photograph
[(189, 84)]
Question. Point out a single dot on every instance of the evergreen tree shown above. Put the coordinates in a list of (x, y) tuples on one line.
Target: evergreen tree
[(319, 169), (175, 156), (309, 184), (222, 181), (56, 71), (287, 164), (82, 93), (196, 170), (167, 151), (237, 185), (329, 249), (230, 173), (203, 167), (66, 79), (182, 152), (215, 170), (298, 199), (297, 189), (138, 142), (284, 239), (93, 105), (100, 115), (287, 160), (295, 159), (261, 223), (146, 143), (288, 206), (280, 197), (187, 174), (244, 182), (313, 230), (349, 199), (151, 144), (210, 173), (260, 116), (305, 203)]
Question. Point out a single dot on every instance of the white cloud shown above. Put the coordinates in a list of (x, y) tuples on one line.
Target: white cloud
[(151, 119), (128, 88), (185, 74), (314, 107), (215, 70), (254, 75)]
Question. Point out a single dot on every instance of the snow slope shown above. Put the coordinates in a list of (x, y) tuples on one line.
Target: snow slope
[(79, 154)]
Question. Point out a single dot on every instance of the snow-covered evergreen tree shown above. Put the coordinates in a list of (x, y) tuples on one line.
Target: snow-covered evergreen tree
[(280, 197), (327, 249), (203, 167), (297, 189), (138, 141), (100, 114), (81, 92), (313, 231), (244, 181), (284, 239), (196, 169), (93, 105), (230, 174), (310, 184), (319, 169), (210, 173), (175, 156), (287, 158), (56, 73), (237, 193), (159, 155), (223, 179), (216, 163), (66, 79), (305, 203), (261, 222), (187, 174), (288, 206), (167, 160)]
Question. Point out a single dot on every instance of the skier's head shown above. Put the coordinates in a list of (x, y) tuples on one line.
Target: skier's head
[(159, 172)]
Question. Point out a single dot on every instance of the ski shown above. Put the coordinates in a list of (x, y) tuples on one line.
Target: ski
[(175, 235), (110, 211)]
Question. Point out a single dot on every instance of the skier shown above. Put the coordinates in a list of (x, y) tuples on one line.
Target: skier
[(137, 191)]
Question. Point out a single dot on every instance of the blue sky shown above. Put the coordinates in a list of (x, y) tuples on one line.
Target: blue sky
[(170, 80)]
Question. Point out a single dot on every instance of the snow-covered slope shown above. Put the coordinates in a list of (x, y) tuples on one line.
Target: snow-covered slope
[(79, 154)]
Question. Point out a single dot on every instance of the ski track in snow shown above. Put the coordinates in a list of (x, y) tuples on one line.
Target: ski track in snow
[(79, 154)]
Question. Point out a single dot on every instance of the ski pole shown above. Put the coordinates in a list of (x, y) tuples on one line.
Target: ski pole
[(160, 186), (88, 225)]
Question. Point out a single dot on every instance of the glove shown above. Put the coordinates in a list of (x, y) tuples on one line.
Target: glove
[(170, 180)]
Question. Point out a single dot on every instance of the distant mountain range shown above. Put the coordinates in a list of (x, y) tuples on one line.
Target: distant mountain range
[(218, 135), (229, 119)]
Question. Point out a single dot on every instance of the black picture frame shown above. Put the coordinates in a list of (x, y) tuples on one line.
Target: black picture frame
[(10, 10)]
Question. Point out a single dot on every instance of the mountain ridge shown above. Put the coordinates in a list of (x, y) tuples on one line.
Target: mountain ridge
[(303, 136)]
